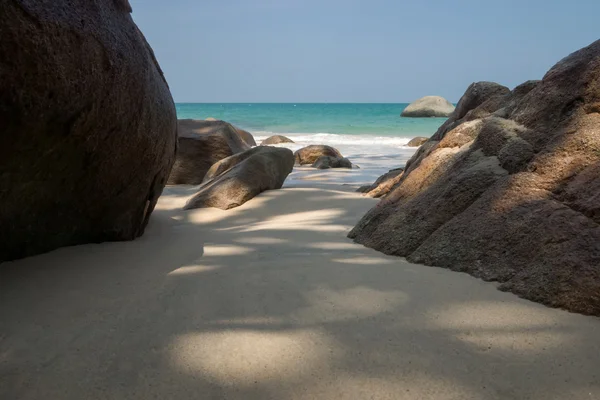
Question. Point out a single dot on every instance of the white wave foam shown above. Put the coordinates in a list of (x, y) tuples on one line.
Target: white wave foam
[(339, 139)]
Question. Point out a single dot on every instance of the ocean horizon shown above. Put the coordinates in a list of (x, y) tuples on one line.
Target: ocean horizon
[(372, 119)]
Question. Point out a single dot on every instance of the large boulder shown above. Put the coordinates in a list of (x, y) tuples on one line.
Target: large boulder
[(327, 162), (276, 139), (310, 154), (428, 106), (237, 179), (87, 125), (510, 197), (201, 144), (480, 100), (479, 94)]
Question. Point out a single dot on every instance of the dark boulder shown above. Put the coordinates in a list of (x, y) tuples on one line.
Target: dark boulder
[(310, 154), (326, 162), (246, 137), (237, 179), (201, 144), (87, 125), (487, 94)]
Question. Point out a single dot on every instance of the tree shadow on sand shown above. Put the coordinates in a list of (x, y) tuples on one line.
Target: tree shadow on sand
[(271, 300)]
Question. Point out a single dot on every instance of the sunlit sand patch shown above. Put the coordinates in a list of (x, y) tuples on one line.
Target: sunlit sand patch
[(326, 304), (247, 357), (203, 216), (175, 197), (343, 196), (505, 326), (261, 240), (193, 269), (225, 250), (364, 260), (334, 246), (330, 176), (317, 220)]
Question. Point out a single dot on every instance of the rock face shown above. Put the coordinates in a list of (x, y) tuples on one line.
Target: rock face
[(237, 179), (428, 106), (276, 139), (481, 99), (416, 142), (510, 196), (326, 162), (87, 125), (201, 144), (310, 154), (383, 185)]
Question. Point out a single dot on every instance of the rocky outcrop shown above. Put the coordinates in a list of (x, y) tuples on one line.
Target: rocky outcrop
[(201, 144), (327, 162), (198, 125), (383, 185), (225, 164), (417, 141), (428, 106), (480, 100), (511, 195), (237, 179), (310, 154), (87, 126), (276, 139)]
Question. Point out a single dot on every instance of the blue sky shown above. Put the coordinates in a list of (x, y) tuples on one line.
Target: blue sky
[(357, 50)]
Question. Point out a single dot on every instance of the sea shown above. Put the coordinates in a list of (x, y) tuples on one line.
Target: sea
[(372, 136)]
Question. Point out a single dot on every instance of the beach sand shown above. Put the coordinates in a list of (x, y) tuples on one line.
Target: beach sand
[(272, 301)]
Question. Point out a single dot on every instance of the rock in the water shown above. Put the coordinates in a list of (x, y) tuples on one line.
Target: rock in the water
[(87, 126), (239, 178), (246, 137), (382, 185), (429, 106), (326, 162), (276, 139), (201, 144), (416, 142), (513, 199), (310, 154)]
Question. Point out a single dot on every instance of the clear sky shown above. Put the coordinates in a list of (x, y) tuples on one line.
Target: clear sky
[(357, 50)]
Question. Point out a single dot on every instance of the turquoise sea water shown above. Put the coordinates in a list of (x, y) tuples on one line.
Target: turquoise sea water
[(372, 136), (345, 119)]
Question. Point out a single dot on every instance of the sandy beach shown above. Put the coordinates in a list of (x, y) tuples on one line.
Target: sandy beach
[(180, 215), (271, 301)]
